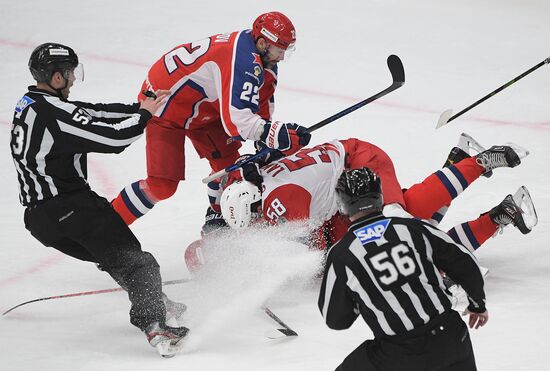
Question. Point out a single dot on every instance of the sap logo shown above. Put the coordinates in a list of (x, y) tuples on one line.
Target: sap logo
[(372, 231), (23, 103)]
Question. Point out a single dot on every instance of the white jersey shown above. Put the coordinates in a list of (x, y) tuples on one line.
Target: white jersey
[(302, 186)]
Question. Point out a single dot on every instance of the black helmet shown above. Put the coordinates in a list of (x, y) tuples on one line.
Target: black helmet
[(49, 58), (359, 190)]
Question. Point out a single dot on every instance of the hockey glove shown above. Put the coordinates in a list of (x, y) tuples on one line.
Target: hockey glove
[(271, 156), (213, 222), (249, 172), (287, 138)]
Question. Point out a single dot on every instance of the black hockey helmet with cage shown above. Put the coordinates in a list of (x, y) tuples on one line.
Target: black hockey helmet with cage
[(359, 190), (48, 58)]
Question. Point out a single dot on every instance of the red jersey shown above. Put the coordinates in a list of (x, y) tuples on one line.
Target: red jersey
[(220, 78)]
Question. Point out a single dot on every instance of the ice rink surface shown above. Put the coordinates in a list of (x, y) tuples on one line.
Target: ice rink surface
[(453, 52)]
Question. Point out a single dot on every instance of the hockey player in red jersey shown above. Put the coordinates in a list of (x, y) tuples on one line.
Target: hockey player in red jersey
[(302, 186), (221, 93)]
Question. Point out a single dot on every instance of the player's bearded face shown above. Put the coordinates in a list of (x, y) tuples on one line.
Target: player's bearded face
[(273, 55)]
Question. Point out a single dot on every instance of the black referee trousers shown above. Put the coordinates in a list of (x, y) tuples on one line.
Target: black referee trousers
[(86, 227), (443, 345)]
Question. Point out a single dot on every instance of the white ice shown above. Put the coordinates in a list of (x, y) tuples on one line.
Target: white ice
[(454, 52)]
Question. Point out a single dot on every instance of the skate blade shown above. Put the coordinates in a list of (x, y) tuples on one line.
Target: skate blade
[(523, 199), (466, 142), (522, 152), (444, 118)]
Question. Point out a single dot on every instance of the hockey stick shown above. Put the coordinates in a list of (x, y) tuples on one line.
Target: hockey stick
[(448, 116), (286, 330), (398, 75), (165, 283)]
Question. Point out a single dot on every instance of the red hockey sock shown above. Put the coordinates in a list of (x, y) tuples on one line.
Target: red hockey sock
[(120, 207), (440, 188), (483, 228), (138, 198), (474, 233)]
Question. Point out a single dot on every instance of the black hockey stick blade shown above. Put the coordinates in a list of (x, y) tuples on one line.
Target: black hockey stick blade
[(396, 69), (280, 333), (85, 293), (285, 330), (398, 80), (398, 76), (447, 116)]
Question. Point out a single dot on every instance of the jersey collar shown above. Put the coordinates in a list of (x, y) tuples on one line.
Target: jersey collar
[(36, 90)]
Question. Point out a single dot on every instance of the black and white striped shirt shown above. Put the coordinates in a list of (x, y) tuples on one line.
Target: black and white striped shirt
[(50, 137), (387, 270)]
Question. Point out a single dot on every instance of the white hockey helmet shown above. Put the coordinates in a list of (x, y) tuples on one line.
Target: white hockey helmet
[(237, 201)]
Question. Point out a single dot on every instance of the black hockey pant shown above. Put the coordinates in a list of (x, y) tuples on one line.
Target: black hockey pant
[(86, 227), (443, 345)]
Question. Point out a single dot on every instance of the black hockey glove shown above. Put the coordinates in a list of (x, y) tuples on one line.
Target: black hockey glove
[(213, 222), (251, 171)]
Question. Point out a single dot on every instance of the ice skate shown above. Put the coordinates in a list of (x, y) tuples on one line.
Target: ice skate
[(167, 340), (518, 210), (508, 155), (466, 147)]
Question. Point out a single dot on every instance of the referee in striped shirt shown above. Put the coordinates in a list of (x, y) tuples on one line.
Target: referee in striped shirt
[(50, 139), (386, 268)]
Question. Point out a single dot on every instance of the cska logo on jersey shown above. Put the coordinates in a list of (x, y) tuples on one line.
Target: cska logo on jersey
[(257, 71), (257, 59), (372, 231)]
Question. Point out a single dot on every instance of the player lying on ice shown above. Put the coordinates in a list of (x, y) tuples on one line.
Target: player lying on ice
[(301, 187)]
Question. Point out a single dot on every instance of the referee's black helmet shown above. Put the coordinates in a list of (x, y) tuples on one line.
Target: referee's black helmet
[(48, 58), (359, 190)]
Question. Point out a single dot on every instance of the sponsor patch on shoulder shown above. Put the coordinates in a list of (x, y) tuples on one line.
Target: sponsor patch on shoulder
[(23, 103), (372, 231)]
